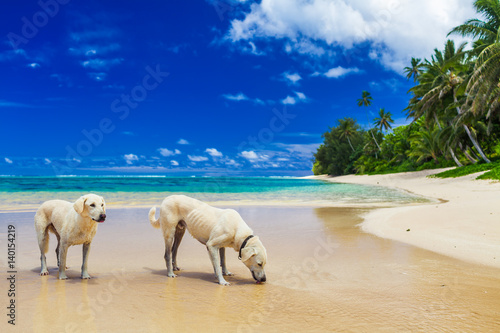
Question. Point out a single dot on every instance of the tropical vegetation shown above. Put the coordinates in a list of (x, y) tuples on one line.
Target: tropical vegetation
[(454, 108)]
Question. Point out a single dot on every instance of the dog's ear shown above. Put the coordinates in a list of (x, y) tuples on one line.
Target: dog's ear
[(104, 202), (247, 253), (79, 204)]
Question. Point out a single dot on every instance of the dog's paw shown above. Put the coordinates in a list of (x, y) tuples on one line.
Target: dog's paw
[(86, 277), (172, 275), (228, 274), (44, 273), (176, 268), (224, 283), (62, 277)]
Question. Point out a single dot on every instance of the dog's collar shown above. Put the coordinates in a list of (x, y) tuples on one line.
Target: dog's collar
[(243, 245)]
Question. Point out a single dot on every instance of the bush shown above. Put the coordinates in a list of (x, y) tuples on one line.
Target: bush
[(467, 170), (492, 174)]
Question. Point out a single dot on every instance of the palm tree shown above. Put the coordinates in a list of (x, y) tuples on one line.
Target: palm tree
[(415, 70), (384, 120), (484, 32), (445, 74), (483, 89), (426, 143), (366, 100), (347, 129)]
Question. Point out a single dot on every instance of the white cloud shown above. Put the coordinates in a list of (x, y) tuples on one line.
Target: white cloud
[(300, 95), (253, 156), (8, 160), (253, 49), (395, 30), (303, 150), (130, 158), (231, 162), (238, 97), (249, 155), (183, 142), (288, 100), (47, 161), (393, 84), (197, 158), (174, 163), (34, 65), (101, 64), (167, 152), (340, 71), (92, 49), (292, 78), (98, 76), (242, 97), (213, 152)]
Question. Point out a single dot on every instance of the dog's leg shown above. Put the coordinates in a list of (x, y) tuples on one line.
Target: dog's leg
[(169, 239), (57, 248), (43, 243), (63, 251), (222, 253), (213, 249), (86, 251), (179, 233)]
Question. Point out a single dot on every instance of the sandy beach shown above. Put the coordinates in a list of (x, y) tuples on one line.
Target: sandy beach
[(465, 225), (324, 274)]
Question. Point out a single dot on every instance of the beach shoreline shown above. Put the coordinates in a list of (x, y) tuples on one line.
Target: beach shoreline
[(463, 223)]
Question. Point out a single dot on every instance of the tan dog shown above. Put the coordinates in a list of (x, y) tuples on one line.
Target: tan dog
[(73, 224), (216, 228)]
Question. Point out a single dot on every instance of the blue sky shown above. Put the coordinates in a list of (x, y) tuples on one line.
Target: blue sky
[(207, 87)]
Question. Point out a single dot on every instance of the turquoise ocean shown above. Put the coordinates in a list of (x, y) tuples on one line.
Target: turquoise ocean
[(21, 193)]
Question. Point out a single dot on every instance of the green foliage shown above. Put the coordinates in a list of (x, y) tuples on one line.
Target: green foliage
[(342, 146), (466, 170), (492, 174)]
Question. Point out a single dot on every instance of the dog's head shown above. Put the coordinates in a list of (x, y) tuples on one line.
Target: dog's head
[(91, 205), (254, 256)]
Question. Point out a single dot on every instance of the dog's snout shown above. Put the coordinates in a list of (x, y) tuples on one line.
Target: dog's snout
[(102, 217), (263, 279)]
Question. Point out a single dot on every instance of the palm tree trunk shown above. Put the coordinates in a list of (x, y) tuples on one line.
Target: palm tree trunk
[(476, 144), (350, 144), (474, 155), (452, 153), (375, 140), (457, 162), (466, 153), (437, 121), (474, 141)]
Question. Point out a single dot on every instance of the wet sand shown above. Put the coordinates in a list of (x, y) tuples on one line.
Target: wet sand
[(324, 274), (465, 225)]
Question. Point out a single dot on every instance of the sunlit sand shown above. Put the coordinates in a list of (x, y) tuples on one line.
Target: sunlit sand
[(324, 274)]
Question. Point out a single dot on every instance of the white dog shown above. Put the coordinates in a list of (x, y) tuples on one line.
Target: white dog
[(216, 228), (73, 224)]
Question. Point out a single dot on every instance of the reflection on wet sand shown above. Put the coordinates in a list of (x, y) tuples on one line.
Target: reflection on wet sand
[(53, 310)]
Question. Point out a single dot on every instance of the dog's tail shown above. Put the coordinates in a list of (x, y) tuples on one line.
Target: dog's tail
[(154, 222), (42, 230)]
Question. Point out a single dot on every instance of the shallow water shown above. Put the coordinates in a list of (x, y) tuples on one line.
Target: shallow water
[(22, 193), (324, 274)]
